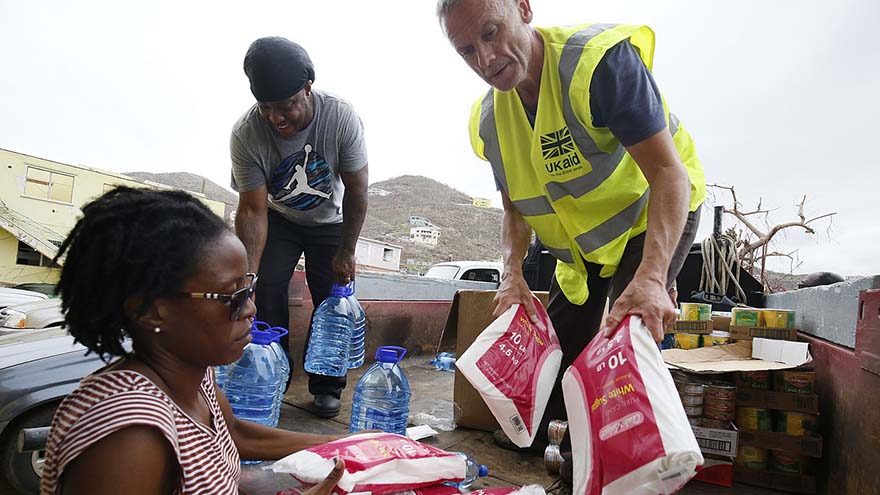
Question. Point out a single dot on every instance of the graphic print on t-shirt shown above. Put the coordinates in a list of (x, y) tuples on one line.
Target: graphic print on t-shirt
[(301, 181)]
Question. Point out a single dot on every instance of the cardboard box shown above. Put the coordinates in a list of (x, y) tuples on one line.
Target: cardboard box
[(779, 401), (748, 333), (696, 327), (755, 355), (721, 322), (470, 314), (794, 483), (806, 446), (717, 472), (716, 441)]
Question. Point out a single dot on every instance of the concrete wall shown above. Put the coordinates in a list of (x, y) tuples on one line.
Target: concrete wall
[(828, 312)]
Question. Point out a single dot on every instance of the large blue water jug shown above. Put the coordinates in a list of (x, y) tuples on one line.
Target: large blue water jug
[(358, 334), (332, 325), (252, 381), (381, 396), (473, 472), (283, 372)]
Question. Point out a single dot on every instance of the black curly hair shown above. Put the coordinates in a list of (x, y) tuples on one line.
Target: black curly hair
[(129, 242)]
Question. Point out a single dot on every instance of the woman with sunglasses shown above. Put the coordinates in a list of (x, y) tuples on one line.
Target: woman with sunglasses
[(160, 268)]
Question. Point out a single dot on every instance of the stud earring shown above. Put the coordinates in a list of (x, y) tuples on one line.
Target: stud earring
[(157, 330)]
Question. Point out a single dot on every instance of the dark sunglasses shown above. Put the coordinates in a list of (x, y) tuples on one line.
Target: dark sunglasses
[(236, 300)]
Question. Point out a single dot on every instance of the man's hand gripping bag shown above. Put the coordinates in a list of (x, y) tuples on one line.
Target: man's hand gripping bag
[(513, 364), (629, 432)]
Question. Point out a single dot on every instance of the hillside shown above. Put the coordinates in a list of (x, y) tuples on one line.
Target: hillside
[(191, 182), (468, 232)]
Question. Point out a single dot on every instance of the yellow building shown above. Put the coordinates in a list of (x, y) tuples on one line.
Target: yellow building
[(482, 202), (40, 202)]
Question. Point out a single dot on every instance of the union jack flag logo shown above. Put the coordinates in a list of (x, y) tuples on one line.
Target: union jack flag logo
[(556, 144)]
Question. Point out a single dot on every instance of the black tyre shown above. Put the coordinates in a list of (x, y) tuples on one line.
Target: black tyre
[(22, 471)]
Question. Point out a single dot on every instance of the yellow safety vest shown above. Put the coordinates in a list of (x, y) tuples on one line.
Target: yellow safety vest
[(574, 183)]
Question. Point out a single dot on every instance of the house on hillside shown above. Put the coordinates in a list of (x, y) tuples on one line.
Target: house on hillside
[(40, 202), (377, 255), (428, 236), (416, 221), (378, 191), (481, 202)]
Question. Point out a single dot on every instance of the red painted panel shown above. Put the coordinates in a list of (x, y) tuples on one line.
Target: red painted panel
[(868, 331), (850, 420)]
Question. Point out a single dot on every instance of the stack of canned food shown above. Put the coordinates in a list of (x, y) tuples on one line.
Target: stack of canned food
[(767, 318), (709, 403), (553, 459), (790, 423)]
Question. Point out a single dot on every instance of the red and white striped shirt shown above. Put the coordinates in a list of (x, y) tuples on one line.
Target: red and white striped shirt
[(107, 402)]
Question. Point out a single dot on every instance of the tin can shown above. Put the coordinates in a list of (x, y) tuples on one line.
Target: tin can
[(719, 414), (694, 388), (687, 341), (745, 317), (796, 424), (692, 400), (695, 311), (721, 390), (553, 459), (556, 431), (716, 338), (714, 423), (753, 418), (798, 382), (692, 411), (777, 318), (720, 404), (752, 457), (784, 462), (694, 420), (755, 380)]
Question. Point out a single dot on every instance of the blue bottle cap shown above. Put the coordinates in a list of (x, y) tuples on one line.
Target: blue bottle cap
[(262, 337), (483, 471), (390, 354), (342, 291)]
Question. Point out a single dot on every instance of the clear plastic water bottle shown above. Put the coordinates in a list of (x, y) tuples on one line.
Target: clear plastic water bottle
[(381, 396), (358, 334), (330, 342), (252, 381), (473, 472), (445, 361), (283, 370), (220, 375)]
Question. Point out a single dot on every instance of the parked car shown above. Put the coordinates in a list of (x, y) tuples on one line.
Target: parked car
[(42, 288), (10, 296), (36, 314), (38, 368), (475, 271)]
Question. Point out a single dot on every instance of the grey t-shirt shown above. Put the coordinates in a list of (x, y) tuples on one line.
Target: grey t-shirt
[(301, 173)]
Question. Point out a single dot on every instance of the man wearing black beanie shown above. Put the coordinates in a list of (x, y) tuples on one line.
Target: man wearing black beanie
[(299, 164)]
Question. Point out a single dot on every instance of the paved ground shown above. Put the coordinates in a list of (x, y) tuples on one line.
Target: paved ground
[(432, 396)]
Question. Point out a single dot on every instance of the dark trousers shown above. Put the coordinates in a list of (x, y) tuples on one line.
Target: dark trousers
[(285, 243), (576, 325)]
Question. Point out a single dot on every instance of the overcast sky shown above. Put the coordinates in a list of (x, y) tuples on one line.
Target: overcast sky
[(780, 96)]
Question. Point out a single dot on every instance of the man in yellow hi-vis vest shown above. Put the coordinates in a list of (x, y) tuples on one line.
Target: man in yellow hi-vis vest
[(579, 138)]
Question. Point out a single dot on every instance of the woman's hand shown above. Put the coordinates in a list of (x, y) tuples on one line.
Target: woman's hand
[(326, 487)]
